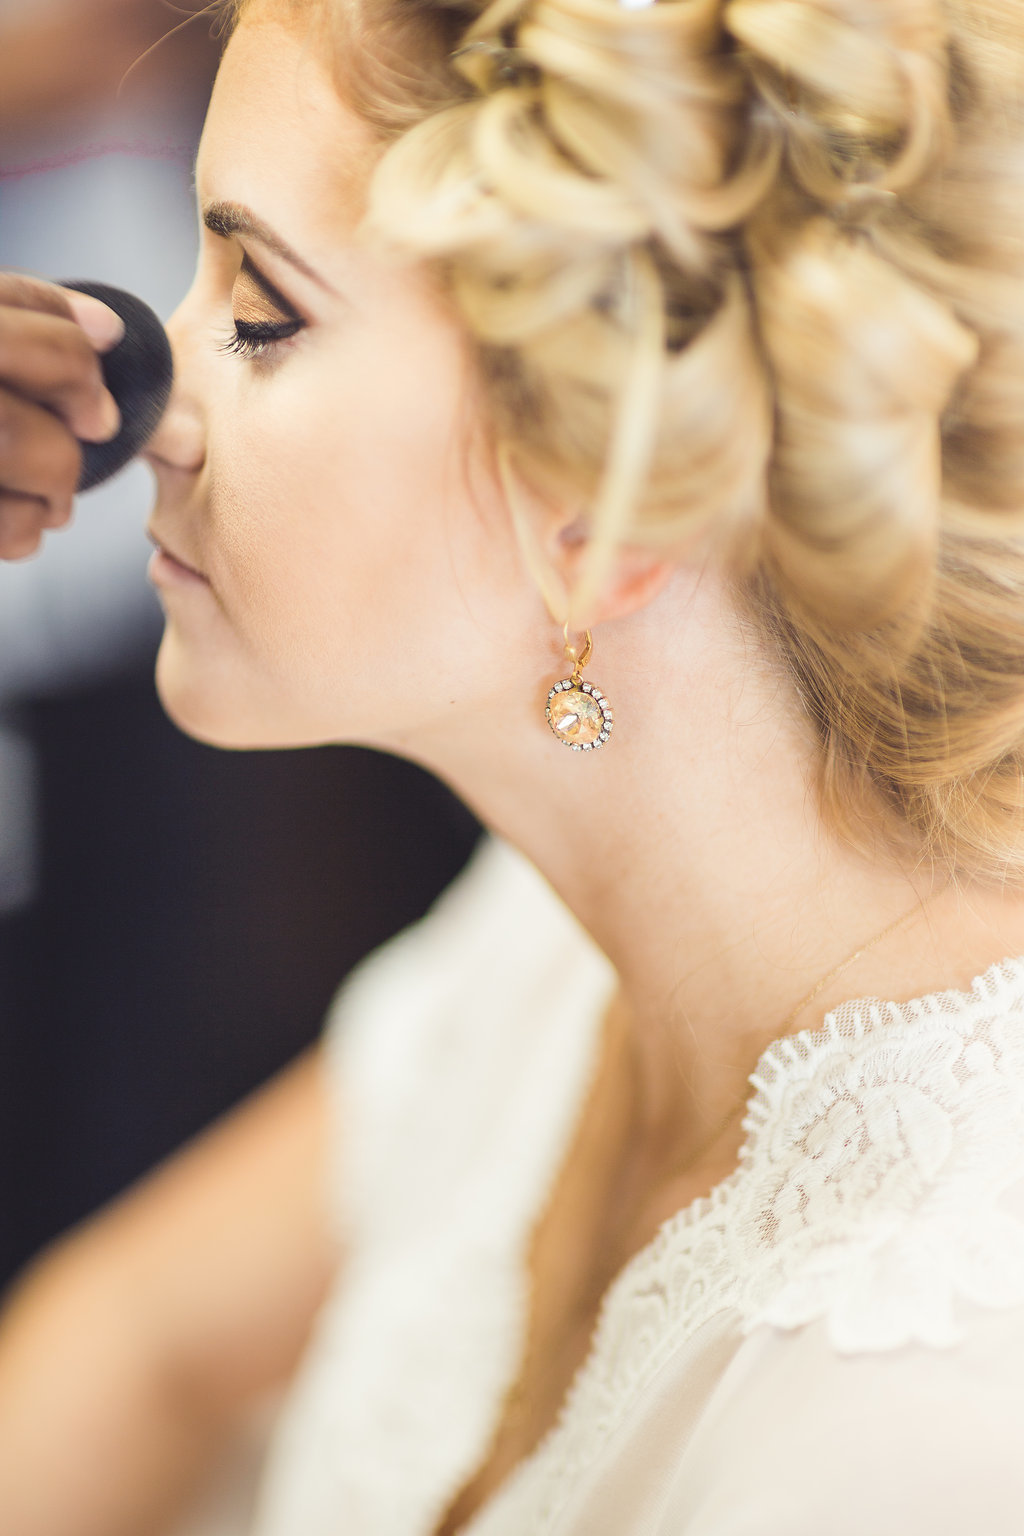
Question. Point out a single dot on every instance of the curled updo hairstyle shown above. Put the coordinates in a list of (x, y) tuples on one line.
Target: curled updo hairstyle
[(748, 275)]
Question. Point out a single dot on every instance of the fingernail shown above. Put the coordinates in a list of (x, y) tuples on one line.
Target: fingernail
[(110, 416), (59, 515), (99, 322)]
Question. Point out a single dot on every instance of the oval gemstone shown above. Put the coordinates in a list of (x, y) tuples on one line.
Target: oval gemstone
[(575, 716)]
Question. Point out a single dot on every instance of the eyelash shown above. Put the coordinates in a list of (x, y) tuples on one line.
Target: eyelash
[(254, 340)]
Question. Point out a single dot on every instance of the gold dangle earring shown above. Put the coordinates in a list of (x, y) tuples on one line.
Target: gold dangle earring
[(578, 712)]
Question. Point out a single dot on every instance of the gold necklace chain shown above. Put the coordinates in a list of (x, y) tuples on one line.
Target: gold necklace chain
[(918, 906), (794, 1013)]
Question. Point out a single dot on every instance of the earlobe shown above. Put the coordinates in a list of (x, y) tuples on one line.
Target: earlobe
[(632, 578), (559, 553)]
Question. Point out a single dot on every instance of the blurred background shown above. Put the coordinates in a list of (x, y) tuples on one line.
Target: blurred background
[(173, 920)]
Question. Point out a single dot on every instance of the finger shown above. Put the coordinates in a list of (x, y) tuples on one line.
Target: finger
[(18, 291), (38, 455), (60, 512), (21, 526), (103, 327), (52, 361)]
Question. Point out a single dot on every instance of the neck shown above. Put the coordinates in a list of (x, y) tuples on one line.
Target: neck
[(692, 851)]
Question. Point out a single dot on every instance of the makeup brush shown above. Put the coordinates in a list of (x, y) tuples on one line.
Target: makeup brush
[(138, 372)]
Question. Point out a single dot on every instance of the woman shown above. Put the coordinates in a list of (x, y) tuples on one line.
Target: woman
[(647, 382)]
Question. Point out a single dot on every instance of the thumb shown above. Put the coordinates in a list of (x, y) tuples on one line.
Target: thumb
[(99, 322)]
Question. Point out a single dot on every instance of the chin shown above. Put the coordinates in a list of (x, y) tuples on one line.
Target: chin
[(211, 706)]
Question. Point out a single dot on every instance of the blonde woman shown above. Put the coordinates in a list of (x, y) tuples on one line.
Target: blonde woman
[(617, 409)]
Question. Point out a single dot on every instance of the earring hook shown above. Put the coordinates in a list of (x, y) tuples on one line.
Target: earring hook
[(578, 658)]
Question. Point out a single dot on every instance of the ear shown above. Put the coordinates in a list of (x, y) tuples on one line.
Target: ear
[(558, 552), (623, 581)]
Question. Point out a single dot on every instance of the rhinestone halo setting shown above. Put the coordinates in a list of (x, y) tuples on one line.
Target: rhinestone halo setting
[(579, 715)]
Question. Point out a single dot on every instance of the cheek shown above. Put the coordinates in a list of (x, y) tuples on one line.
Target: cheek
[(343, 537)]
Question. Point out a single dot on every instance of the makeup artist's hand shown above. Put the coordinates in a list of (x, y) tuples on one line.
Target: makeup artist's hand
[(51, 395)]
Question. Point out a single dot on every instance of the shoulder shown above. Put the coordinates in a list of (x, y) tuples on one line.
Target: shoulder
[(863, 1273), (885, 1182), (878, 1380), (801, 1440)]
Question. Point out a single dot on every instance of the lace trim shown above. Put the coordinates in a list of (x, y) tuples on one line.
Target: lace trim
[(876, 1149)]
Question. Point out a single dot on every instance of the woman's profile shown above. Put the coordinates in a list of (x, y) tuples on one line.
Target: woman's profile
[(616, 408)]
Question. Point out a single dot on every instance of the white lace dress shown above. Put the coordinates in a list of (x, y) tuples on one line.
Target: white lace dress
[(831, 1345)]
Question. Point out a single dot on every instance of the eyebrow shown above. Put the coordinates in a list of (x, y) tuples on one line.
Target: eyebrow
[(228, 219)]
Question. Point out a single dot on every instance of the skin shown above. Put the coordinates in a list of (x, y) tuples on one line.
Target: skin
[(364, 583), (356, 576), (52, 398), (133, 1351), (320, 488)]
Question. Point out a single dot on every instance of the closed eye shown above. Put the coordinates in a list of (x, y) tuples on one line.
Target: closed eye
[(263, 317), (252, 338)]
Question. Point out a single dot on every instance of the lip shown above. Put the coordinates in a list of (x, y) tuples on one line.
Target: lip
[(169, 569)]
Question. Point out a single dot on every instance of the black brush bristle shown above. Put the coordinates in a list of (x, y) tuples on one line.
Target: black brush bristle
[(138, 372)]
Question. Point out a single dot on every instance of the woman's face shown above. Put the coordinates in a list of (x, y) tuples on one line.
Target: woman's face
[(321, 465)]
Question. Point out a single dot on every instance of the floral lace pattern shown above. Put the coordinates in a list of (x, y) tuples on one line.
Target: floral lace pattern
[(866, 1196)]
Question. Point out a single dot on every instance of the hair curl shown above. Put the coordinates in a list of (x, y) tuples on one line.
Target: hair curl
[(750, 275)]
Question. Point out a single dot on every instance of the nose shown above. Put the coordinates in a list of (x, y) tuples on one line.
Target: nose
[(179, 442)]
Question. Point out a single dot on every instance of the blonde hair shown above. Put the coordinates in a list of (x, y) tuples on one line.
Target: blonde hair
[(749, 277)]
